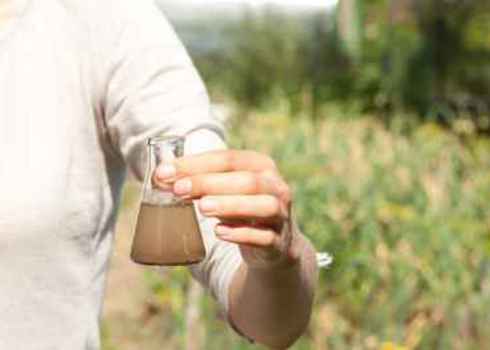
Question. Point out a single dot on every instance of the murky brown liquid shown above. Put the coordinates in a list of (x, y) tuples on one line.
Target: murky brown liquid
[(167, 235)]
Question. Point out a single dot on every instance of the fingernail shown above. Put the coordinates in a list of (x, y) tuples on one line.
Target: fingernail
[(222, 230), (208, 205), (166, 172), (183, 187), (166, 187)]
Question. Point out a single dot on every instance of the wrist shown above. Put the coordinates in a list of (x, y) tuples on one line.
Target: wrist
[(285, 256), (289, 269)]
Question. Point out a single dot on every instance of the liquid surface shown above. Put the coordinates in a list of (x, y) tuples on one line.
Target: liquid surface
[(167, 235)]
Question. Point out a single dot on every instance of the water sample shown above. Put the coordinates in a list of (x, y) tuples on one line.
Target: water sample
[(167, 231)]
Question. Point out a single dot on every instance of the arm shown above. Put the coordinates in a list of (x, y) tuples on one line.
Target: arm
[(273, 306)]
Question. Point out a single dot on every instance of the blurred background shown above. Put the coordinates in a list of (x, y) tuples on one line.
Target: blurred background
[(378, 114)]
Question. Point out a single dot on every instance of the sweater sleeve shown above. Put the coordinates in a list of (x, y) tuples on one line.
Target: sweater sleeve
[(152, 87)]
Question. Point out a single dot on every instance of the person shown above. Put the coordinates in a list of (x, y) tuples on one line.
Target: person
[(83, 85)]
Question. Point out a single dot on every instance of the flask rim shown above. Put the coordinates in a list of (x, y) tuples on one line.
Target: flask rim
[(164, 138)]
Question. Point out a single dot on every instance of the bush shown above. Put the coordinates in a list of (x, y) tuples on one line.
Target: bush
[(429, 58)]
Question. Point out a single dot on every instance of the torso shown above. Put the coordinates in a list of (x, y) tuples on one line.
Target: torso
[(57, 193)]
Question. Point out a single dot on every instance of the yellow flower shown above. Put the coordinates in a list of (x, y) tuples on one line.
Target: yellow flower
[(392, 346)]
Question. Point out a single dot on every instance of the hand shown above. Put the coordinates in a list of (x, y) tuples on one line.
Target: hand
[(246, 192)]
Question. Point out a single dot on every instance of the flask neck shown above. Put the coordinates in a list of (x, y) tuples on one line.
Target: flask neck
[(161, 150)]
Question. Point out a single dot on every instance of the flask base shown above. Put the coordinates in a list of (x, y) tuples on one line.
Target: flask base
[(167, 235)]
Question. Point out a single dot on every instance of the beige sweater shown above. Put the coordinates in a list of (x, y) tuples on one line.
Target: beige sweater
[(83, 84)]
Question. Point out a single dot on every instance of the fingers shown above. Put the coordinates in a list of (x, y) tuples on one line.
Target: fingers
[(242, 207), (234, 183), (214, 162), (248, 235)]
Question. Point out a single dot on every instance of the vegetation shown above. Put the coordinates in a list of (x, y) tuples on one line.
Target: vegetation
[(428, 58)]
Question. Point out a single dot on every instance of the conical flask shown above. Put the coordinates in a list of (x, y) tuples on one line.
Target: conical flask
[(167, 232)]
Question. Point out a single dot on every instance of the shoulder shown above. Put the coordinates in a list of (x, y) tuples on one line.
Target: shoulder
[(109, 18), (107, 9)]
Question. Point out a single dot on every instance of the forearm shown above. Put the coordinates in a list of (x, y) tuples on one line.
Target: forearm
[(273, 306)]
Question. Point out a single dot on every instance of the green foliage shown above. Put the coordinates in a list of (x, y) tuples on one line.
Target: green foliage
[(262, 62), (427, 57)]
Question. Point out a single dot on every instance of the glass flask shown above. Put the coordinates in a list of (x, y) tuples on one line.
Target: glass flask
[(167, 231)]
